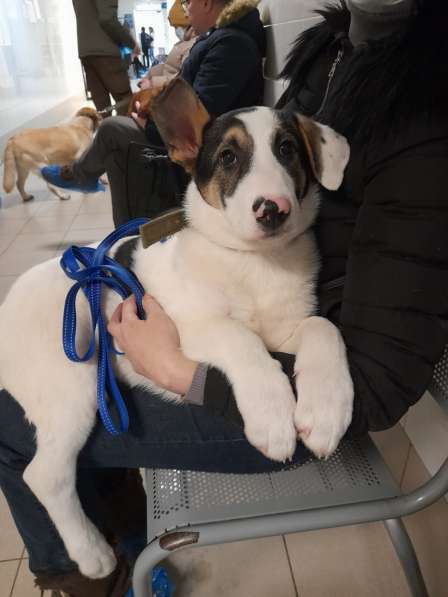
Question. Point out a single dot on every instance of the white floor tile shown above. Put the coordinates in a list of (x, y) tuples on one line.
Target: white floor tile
[(5, 284), (257, 568), (92, 220), (57, 223), (84, 237), (8, 571), (47, 241), (11, 545), (9, 227), (24, 585), (5, 242)]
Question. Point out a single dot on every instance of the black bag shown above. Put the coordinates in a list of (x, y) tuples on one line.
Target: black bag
[(153, 182)]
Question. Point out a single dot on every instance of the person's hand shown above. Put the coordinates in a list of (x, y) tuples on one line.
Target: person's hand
[(136, 51), (144, 83), (140, 120), (152, 345)]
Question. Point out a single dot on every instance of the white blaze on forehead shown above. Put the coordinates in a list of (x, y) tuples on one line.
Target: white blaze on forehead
[(269, 177)]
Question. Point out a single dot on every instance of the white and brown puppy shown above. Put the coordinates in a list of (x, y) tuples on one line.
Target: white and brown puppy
[(238, 281), (31, 149)]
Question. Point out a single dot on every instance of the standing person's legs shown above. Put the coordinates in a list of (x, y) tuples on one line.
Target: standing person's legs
[(108, 73), (99, 92), (114, 75), (162, 435), (145, 58)]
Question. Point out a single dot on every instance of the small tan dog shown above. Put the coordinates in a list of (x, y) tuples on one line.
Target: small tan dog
[(32, 148)]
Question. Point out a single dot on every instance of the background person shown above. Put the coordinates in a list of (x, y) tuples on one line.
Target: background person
[(100, 35)]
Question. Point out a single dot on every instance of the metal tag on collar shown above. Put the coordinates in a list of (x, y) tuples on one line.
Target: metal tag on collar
[(165, 225)]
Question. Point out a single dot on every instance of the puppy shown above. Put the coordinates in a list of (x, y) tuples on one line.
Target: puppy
[(32, 148), (238, 281)]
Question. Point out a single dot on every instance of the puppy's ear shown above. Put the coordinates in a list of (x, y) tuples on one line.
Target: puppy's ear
[(180, 118), (327, 151)]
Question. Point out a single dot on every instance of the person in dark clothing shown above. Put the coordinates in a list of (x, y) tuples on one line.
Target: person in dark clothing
[(224, 67), (151, 45), (145, 45), (383, 281), (100, 35)]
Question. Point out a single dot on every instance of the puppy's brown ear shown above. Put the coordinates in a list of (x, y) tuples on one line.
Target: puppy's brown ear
[(180, 118), (328, 152)]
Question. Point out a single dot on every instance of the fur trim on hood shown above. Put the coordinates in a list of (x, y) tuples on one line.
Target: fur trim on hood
[(405, 74), (235, 10)]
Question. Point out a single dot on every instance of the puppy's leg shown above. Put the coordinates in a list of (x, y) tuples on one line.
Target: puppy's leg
[(324, 386), (23, 170), (58, 193), (262, 391), (51, 475)]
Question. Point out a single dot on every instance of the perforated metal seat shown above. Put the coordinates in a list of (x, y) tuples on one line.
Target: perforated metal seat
[(439, 384), (354, 473)]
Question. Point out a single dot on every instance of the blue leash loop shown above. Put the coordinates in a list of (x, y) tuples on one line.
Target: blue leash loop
[(91, 268)]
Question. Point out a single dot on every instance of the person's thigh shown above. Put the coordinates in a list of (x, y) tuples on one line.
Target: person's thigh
[(167, 435)]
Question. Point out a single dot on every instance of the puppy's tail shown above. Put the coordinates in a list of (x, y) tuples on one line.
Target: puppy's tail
[(9, 172)]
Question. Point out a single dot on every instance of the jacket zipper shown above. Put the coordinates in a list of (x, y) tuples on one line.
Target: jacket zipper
[(333, 68)]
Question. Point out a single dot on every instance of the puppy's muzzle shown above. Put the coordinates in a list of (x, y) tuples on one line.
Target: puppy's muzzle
[(271, 212)]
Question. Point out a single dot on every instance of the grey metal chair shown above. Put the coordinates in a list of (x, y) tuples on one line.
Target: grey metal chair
[(190, 509)]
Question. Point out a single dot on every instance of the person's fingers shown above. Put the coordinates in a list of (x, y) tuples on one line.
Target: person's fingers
[(137, 106), (115, 318), (150, 304), (129, 309)]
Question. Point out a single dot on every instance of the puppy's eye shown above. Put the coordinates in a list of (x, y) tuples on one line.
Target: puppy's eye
[(286, 149), (228, 158)]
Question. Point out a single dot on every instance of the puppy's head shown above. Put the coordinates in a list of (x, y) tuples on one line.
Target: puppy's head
[(92, 114), (254, 170)]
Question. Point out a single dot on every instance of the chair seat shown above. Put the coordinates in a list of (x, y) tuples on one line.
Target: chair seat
[(354, 473), (439, 384)]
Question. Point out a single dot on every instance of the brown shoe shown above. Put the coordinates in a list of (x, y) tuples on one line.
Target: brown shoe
[(66, 172), (74, 584)]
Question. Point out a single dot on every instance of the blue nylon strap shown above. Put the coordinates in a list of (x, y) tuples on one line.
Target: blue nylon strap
[(91, 269)]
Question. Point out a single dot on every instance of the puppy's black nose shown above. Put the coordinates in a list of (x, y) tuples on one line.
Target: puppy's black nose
[(270, 214)]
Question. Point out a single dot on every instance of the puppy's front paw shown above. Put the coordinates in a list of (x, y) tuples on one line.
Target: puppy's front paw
[(269, 424), (96, 558), (324, 408)]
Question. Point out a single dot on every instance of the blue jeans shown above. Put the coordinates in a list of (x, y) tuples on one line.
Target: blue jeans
[(162, 435)]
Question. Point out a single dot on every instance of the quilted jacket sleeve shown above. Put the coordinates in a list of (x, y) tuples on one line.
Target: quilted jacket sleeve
[(395, 301)]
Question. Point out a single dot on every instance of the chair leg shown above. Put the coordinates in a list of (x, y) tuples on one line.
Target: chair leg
[(408, 558), (146, 562)]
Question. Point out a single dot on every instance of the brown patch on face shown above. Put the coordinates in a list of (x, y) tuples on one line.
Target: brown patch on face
[(224, 159), (211, 194), (312, 140)]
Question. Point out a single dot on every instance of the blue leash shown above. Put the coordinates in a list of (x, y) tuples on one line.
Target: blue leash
[(90, 268)]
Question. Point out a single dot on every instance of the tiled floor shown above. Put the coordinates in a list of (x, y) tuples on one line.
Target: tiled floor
[(351, 562)]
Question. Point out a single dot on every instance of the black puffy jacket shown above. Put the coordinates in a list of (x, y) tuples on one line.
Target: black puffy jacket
[(224, 66), (383, 236)]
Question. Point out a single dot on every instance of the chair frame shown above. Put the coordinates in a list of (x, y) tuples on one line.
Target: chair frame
[(389, 511)]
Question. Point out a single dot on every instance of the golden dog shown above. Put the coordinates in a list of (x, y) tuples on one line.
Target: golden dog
[(32, 148)]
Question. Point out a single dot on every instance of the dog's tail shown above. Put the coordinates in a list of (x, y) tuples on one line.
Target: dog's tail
[(9, 171)]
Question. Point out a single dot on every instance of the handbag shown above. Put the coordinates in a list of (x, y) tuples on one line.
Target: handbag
[(154, 183)]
